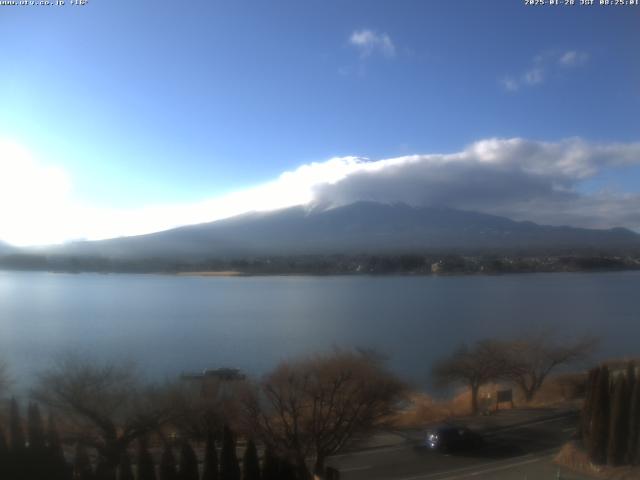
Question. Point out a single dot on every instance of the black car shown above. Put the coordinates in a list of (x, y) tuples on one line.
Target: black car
[(451, 438)]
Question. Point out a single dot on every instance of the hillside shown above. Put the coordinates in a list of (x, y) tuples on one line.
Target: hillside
[(362, 227)]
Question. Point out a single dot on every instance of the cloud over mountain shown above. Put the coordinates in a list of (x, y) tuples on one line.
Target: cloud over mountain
[(517, 178)]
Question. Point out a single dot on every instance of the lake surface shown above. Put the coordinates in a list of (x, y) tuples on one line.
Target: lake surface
[(171, 324)]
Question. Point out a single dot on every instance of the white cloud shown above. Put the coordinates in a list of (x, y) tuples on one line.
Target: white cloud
[(572, 58), (533, 76), (511, 84), (543, 66), (518, 178), (369, 42)]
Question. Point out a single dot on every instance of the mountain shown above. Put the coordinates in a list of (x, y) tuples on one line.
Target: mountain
[(363, 227), (6, 249)]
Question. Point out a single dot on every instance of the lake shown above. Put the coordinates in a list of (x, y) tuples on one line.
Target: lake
[(170, 324)]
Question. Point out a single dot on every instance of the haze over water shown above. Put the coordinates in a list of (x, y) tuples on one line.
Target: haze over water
[(171, 324)]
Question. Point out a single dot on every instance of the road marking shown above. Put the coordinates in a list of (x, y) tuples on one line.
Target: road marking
[(355, 469)]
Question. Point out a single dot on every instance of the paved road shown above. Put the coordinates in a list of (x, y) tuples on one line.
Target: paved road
[(511, 453)]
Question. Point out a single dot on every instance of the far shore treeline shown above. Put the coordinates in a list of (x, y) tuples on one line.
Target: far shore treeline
[(341, 264)]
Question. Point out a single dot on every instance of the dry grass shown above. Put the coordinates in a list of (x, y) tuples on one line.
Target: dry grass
[(575, 458), (557, 389), (424, 409)]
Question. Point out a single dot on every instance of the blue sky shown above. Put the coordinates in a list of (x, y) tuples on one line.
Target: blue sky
[(144, 104)]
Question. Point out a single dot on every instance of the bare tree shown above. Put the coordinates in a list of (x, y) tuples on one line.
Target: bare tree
[(5, 378), (312, 408), (106, 405), (205, 406), (531, 359), (194, 414), (472, 367)]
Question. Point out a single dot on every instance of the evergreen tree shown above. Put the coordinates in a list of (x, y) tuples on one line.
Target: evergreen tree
[(105, 470), (37, 455), (35, 428), (124, 468), (631, 376), (57, 464), (18, 444), (82, 465), (286, 471), (210, 470), (270, 467), (168, 469), (146, 468), (587, 408), (332, 473), (19, 462), (598, 439), (250, 462), (634, 425), (4, 457), (619, 423), (188, 463), (229, 467)]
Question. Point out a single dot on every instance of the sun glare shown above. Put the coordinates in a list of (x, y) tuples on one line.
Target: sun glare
[(34, 198), (38, 208)]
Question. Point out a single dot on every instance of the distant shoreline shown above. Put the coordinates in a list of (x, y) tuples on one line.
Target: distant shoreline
[(212, 273), (239, 274), (439, 264)]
